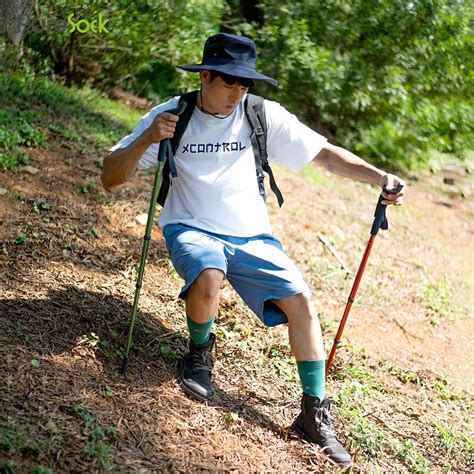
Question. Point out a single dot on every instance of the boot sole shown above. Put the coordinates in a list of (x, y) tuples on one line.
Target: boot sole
[(189, 390), (302, 435)]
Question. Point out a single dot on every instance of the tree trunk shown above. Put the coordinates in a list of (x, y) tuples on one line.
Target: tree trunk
[(14, 16), (248, 10), (252, 11)]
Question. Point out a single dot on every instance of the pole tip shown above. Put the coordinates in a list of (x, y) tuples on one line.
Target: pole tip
[(124, 366)]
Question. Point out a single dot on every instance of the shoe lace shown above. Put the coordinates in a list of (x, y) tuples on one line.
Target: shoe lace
[(323, 420), (201, 359)]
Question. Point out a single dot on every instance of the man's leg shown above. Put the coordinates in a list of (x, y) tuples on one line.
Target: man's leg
[(304, 331), (202, 300), (306, 341), (200, 260)]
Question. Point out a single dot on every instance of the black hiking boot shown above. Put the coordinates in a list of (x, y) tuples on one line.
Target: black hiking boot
[(195, 369), (314, 425)]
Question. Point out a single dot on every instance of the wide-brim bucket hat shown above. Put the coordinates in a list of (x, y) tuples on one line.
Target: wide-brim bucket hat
[(230, 54)]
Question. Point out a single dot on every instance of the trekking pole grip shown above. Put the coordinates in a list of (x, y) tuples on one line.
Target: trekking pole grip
[(164, 144), (380, 218)]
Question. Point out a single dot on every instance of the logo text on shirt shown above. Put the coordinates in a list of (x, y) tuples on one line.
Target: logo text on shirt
[(213, 147)]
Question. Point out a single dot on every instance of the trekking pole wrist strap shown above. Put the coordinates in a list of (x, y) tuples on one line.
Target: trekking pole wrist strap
[(380, 217)]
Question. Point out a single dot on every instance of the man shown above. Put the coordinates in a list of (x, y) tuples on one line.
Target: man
[(216, 225)]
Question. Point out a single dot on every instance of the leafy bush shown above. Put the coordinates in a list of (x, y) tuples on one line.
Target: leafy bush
[(11, 162), (33, 107), (146, 39), (391, 80)]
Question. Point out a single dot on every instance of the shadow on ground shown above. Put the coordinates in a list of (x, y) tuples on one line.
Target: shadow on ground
[(75, 329)]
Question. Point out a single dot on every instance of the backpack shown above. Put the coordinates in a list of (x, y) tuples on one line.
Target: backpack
[(255, 112)]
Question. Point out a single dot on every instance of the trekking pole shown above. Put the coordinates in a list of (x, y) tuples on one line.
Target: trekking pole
[(163, 153), (380, 222)]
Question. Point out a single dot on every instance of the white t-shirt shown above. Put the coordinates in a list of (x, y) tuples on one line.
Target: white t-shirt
[(216, 188)]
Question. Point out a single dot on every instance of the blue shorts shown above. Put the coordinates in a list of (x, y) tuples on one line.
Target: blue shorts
[(256, 267)]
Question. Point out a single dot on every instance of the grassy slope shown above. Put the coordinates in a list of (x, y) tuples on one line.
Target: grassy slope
[(70, 254)]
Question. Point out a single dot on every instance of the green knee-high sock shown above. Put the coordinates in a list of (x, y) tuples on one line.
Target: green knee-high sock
[(312, 376), (199, 332)]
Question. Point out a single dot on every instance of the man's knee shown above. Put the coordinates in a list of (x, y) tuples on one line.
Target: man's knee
[(208, 283), (306, 299), (295, 303), (298, 308), (306, 308)]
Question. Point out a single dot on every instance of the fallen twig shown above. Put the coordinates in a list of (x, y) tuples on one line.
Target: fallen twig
[(333, 251), (405, 332), (393, 430)]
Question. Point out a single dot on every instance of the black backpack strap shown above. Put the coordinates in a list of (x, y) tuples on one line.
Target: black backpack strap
[(190, 98), (255, 112)]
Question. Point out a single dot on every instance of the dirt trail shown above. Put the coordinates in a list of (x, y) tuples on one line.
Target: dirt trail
[(441, 246), (65, 301), (427, 251)]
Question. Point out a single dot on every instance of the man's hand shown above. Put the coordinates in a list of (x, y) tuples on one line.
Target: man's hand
[(163, 126), (390, 181)]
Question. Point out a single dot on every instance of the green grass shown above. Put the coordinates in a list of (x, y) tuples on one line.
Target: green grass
[(406, 452), (37, 112), (14, 439), (363, 435), (316, 174), (444, 388), (366, 437), (360, 389), (98, 443), (447, 436), (100, 104), (438, 296)]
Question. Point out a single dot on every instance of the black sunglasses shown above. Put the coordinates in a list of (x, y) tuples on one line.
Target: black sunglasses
[(231, 80)]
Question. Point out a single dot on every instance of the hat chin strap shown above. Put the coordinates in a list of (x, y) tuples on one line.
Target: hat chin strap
[(202, 109)]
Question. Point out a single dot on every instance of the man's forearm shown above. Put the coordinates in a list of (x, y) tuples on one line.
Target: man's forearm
[(120, 165), (344, 163)]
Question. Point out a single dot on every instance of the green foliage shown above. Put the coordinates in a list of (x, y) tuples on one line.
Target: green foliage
[(167, 353), (146, 39), (7, 467), (18, 128), (406, 452), (444, 388), (439, 298), (388, 79), (109, 391), (91, 340), (447, 436), (14, 439), (421, 125), (35, 111), (41, 470), (354, 373), (20, 239), (9, 162), (99, 438), (404, 375), (363, 434), (86, 187)]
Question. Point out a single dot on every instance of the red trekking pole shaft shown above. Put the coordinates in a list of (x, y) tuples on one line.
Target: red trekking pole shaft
[(380, 222)]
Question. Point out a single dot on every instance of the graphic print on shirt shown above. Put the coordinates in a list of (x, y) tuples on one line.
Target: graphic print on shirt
[(223, 147), (217, 190)]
